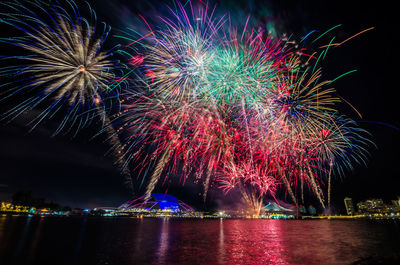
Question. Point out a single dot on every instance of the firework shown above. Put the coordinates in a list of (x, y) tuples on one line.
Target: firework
[(184, 138), (206, 101), (63, 66), (243, 110)]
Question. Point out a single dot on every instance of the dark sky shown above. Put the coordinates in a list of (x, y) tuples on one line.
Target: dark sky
[(76, 172)]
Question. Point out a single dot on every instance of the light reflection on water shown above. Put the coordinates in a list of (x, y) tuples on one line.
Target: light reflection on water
[(93, 240), (163, 245)]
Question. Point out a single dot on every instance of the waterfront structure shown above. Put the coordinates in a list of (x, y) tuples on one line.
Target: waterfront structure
[(378, 207), (157, 202), (8, 207), (348, 202), (371, 206), (312, 210), (275, 211), (302, 209)]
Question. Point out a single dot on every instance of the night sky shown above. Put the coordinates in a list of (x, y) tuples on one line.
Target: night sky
[(76, 171)]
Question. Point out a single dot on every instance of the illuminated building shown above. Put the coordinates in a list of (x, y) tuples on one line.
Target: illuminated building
[(275, 211), (302, 209), (371, 206), (312, 210), (156, 203), (102, 211), (348, 202), (7, 207), (378, 207)]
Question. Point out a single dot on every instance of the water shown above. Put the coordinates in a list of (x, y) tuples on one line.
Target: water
[(124, 240)]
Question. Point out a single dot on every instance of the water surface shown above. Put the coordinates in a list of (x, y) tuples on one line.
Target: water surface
[(124, 240)]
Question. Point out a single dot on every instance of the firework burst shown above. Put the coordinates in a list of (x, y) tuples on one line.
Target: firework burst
[(64, 67)]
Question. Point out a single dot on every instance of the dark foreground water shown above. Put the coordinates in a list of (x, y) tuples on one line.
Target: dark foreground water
[(123, 240)]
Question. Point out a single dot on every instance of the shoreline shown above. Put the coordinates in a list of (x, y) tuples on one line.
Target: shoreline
[(306, 218)]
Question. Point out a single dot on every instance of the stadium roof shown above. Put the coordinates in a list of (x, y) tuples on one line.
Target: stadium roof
[(274, 207), (156, 202)]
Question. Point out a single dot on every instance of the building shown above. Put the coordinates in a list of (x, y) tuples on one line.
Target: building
[(302, 209), (278, 210), (378, 207), (348, 202), (281, 210), (157, 202), (371, 206), (312, 210)]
